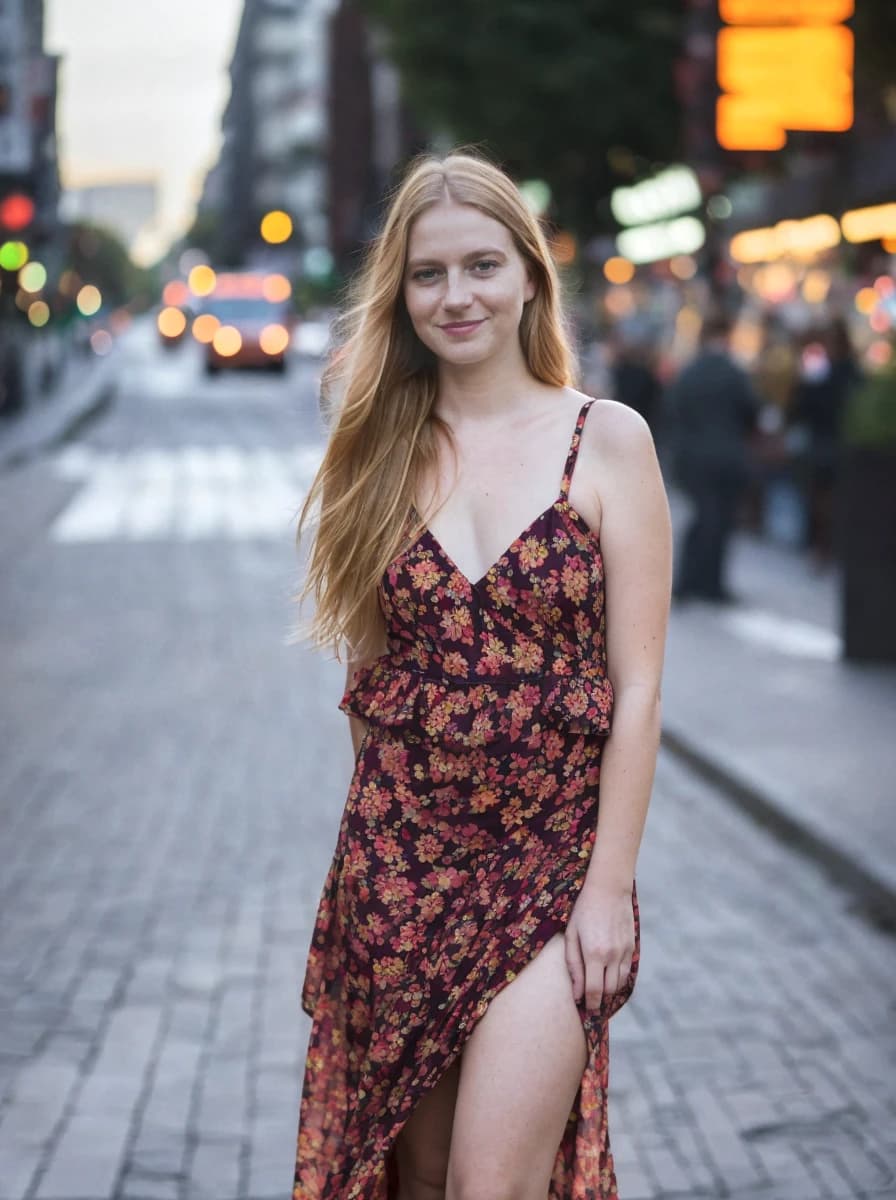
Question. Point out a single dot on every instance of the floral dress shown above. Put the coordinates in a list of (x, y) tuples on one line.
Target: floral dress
[(467, 831)]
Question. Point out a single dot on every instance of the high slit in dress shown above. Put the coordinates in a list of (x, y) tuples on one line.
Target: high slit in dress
[(468, 828)]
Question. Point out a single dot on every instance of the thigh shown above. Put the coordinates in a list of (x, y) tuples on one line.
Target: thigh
[(421, 1149), (520, 1072)]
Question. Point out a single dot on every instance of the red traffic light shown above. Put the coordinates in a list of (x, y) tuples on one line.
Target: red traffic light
[(16, 212)]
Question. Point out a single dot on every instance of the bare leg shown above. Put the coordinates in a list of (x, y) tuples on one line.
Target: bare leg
[(421, 1149), (520, 1072)]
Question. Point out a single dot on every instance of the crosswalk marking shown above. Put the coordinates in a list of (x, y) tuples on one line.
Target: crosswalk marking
[(786, 635), (183, 494)]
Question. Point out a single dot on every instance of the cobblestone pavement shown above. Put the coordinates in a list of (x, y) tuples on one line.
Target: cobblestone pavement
[(172, 774)]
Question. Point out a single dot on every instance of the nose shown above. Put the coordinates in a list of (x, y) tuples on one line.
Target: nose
[(457, 291)]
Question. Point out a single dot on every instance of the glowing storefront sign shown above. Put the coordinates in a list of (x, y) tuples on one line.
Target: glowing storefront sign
[(675, 190), (869, 224), (788, 239), (785, 12), (783, 65), (664, 239)]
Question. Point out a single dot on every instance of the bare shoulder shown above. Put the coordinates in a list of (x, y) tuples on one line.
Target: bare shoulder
[(616, 438)]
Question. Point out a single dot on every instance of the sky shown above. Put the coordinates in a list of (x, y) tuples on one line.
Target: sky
[(142, 88)]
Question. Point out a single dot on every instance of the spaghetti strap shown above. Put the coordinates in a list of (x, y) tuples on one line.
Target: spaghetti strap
[(574, 450)]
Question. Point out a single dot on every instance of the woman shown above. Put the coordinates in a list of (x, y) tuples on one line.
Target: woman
[(479, 923)]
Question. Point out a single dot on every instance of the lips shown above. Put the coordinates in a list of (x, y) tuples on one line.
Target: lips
[(460, 326)]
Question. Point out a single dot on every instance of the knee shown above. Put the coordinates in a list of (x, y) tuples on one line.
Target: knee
[(484, 1184)]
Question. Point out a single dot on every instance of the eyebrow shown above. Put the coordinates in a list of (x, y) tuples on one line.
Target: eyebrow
[(486, 253)]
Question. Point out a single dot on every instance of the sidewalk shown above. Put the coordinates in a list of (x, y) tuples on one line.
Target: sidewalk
[(85, 385), (757, 697)]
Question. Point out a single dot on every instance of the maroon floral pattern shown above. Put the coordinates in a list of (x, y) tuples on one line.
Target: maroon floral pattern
[(467, 831)]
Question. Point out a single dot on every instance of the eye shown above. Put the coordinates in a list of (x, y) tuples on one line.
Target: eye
[(425, 274), (485, 266)]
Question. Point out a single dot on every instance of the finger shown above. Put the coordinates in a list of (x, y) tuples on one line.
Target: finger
[(616, 977), (594, 984), (574, 965)]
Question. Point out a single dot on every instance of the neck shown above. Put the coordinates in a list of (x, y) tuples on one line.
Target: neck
[(482, 389)]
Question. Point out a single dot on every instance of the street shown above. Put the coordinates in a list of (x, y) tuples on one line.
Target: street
[(173, 770)]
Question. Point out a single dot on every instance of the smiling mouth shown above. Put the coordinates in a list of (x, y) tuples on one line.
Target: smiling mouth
[(460, 326)]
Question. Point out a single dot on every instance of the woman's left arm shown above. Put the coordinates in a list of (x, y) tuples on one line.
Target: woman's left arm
[(636, 543)]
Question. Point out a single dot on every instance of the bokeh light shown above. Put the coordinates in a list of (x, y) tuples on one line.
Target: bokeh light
[(33, 277), (176, 293), (203, 328), (69, 282), (276, 227), (866, 300), (618, 269), (202, 280), (276, 288), (13, 255), (537, 194), (171, 322), (879, 353), (683, 266), (816, 286), (101, 342), (274, 339), (227, 341), (38, 313), (89, 300)]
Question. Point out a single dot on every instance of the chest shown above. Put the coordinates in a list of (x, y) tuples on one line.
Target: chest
[(485, 495)]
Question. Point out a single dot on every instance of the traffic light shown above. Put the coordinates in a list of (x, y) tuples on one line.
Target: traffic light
[(17, 211)]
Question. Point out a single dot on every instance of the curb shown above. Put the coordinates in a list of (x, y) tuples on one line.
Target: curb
[(875, 898), (57, 420)]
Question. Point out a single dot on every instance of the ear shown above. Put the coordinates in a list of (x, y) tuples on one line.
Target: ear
[(531, 287)]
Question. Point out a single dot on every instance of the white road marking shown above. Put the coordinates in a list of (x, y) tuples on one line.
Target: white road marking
[(183, 494), (786, 635)]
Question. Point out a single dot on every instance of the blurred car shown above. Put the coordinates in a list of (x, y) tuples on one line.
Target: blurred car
[(246, 321)]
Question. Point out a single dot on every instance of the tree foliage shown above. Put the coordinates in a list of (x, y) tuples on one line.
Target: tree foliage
[(549, 87), (99, 257)]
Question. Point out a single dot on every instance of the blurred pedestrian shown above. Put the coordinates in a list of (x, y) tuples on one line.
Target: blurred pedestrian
[(634, 380), (828, 374), (775, 503), (712, 416), (478, 892)]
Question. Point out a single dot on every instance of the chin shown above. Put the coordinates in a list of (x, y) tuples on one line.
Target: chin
[(463, 356)]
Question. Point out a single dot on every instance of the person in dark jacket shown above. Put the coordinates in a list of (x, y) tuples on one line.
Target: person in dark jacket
[(712, 414), (633, 380), (828, 377)]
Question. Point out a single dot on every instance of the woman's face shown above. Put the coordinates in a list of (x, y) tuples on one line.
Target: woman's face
[(465, 284)]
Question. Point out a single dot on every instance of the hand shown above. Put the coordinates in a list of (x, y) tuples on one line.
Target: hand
[(600, 943)]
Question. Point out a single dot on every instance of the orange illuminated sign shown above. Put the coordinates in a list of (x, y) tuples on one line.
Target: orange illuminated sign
[(783, 66), (785, 12)]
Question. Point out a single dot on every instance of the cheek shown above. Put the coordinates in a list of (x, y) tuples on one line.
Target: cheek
[(418, 304), (512, 296), (418, 310)]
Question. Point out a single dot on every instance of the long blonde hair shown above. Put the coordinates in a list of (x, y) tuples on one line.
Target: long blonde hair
[(384, 437)]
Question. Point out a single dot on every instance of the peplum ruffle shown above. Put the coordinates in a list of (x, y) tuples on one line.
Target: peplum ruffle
[(485, 711)]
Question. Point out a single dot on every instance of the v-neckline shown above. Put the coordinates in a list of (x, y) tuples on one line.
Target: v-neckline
[(561, 503)]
